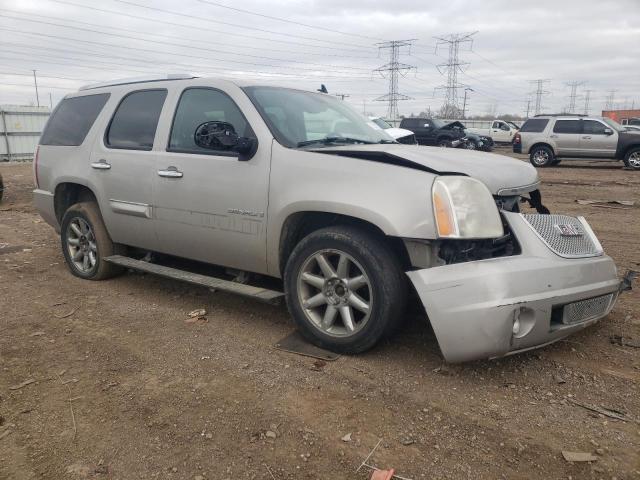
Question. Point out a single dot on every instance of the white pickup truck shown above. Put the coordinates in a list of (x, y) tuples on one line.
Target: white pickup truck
[(500, 131)]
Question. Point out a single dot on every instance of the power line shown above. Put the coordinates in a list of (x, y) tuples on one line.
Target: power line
[(393, 69), (573, 95), (180, 37), (173, 44), (587, 99), (208, 30), (206, 19), (452, 67), (285, 20), (609, 103), (539, 93)]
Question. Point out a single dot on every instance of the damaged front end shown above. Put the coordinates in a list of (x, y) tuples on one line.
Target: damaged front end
[(544, 279)]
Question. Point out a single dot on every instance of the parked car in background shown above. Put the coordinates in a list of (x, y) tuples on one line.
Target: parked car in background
[(631, 128), (433, 131), (548, 139), (500, 131), (298, 186), (471, 141), (401, 135)]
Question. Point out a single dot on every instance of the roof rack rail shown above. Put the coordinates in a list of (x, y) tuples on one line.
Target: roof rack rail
[(152, 78), (561, 115)]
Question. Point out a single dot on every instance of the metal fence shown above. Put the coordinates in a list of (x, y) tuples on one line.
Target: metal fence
[(20, 129)]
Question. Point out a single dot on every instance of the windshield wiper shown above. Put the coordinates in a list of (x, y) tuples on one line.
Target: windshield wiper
[(333, 140)]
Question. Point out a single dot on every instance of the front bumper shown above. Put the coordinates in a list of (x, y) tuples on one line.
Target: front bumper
[(473, 306)]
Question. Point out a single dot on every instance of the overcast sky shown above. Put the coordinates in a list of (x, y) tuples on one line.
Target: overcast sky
[(595, 42)]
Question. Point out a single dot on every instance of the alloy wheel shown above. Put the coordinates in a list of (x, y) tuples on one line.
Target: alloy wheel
[(540, 157), (81, 245), (335, 293), (634, 160)]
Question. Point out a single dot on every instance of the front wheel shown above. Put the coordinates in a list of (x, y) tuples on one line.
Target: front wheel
[(86, 243), (541, 156), (470, 145), (444, 143), (632, 159), (345, 289)]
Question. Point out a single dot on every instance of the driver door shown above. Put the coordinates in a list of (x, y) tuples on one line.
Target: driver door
[(210, 206)]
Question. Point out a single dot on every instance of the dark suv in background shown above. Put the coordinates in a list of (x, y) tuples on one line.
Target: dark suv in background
[(432, 131)]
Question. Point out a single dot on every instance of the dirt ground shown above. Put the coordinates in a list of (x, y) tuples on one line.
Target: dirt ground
[(122, 388)]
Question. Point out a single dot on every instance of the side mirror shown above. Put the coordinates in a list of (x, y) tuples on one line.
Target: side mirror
[(608, 131), (222, 136)]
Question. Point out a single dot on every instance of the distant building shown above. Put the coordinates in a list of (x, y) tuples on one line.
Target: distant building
[(20, 130), (623, 116)]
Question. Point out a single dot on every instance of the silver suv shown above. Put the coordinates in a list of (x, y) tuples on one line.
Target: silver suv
[(285, 187), (548, 139)]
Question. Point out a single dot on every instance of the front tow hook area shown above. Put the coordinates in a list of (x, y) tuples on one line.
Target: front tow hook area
[(626, 284)]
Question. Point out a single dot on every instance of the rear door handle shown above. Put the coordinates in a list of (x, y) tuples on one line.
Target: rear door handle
[(553, 136), (587, 138), (170, 172), (101, 165)]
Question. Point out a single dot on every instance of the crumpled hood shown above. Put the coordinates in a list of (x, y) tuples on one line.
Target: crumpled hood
[(497, 172)]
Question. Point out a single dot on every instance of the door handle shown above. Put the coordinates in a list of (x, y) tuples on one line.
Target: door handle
[(101, 165), (553, 136), (587, 138), (170, 172)]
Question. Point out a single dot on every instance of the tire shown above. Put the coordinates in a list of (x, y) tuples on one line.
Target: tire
[(375, 277), (444, 142), (632, 159), (541, 156), (471, 145), (82, 223)]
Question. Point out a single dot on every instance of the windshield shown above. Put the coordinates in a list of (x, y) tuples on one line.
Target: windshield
[(297, 118), (613, 124), (381, 123)]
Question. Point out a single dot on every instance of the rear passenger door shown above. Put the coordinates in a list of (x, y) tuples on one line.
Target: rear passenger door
[(566, 137), (210, 206), (598, 139), (123, 168)]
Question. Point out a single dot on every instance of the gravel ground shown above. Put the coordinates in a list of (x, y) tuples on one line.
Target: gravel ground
[(106, 380)]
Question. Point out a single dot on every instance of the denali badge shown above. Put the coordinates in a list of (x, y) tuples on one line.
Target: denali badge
[(569, 230)]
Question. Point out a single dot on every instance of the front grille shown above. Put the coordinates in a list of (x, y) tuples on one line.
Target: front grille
[(566, 236), (587, 309)]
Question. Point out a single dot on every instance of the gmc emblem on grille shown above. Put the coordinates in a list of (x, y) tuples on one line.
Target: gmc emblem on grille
[(568, 230)]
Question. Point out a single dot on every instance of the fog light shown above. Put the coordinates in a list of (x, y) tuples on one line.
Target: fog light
[(523, 321)]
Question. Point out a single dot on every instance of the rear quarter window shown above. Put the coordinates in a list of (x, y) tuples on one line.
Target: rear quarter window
[(72, 119), (535, 125)]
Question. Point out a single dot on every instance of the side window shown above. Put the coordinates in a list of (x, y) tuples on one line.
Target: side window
[(504, 126), (567, 126), (496, 125), (199, 105), (592, 127), (534, 125), (134, 123), (72, 119)]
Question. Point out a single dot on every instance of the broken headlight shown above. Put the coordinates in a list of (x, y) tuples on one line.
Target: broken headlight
[(464, 208)]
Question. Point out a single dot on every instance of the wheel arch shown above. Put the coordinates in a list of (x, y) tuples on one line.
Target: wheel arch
[(300, 224), (68, 193), (541, 144)]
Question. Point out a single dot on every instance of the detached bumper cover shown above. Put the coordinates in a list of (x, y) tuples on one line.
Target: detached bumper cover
[(473, 306)]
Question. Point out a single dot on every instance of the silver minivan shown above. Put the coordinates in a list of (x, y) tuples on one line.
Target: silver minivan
[(300, 188)]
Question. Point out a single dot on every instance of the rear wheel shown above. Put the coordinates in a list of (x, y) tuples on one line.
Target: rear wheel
[(86, 243), (541, 156), (345, 289), (632, 158)]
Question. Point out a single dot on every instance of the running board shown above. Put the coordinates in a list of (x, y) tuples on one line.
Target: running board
[(262, 294)]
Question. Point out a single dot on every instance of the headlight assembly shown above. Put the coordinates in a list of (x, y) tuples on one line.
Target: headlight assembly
[(464, 208)]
